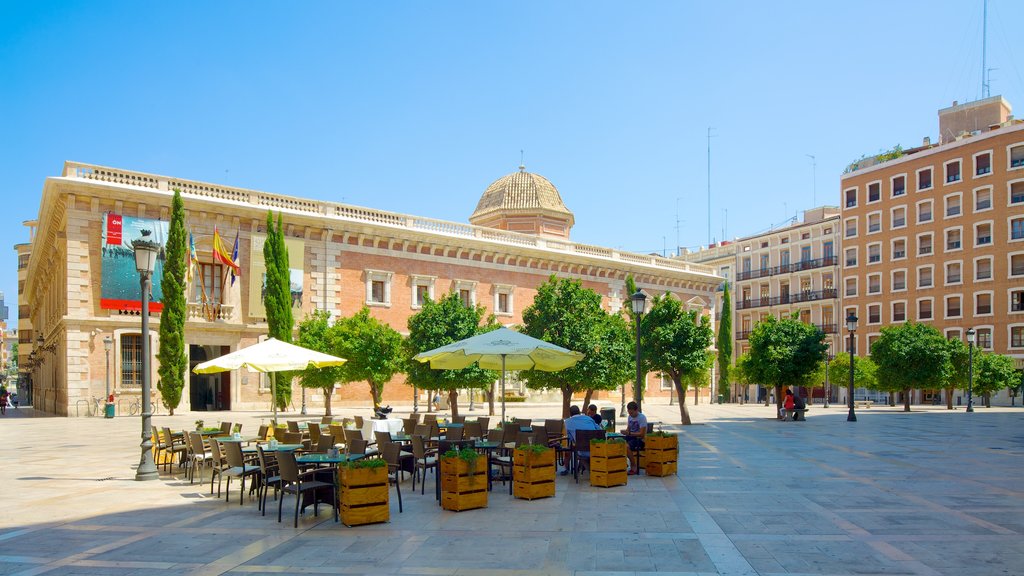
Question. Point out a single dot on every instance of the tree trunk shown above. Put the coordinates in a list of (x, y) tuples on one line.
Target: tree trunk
[(684, 414), (906, 400), (586, 399), (696, 399), (949, 398), (376, 391), (490, 400), (988, 401), (778, 401), (566, 400), (453, 402), (327, 401)]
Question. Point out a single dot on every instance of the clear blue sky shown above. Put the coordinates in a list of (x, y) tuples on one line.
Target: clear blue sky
[(417, 106)]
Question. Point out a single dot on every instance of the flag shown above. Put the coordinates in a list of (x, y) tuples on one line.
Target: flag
[(234, 258), (220, 253), (193, 258)]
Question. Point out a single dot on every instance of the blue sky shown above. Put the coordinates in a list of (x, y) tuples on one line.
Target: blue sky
[(417, 106)]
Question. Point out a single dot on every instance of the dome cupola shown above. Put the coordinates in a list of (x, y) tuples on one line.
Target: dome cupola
[(523, 202)]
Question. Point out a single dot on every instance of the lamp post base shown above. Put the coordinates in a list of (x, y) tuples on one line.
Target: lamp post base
[(852, 416)]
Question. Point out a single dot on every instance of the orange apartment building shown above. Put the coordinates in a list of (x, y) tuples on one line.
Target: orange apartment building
[(77, 288), (936, 235)]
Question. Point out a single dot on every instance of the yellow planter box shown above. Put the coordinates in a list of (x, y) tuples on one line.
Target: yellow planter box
[(364, 495), (661, 442), (462, 489), (528, 458), (533, 474), (660, 468), (660, 455), (533, 490), (615, 464), (607, 449), (607, 479)]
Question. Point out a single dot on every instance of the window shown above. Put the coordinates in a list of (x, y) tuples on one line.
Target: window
[(924, 244), (805, 254), (764, 244), (422, 288), (983, 269), (783, 258), (875, 284), (1017, 264), (899, 311), (746, 264), (924, 309), (1016, 336), (982, 163), (952, 205), (378, 288), (851, 197), (207, 287), (899, 280), (851, 227), (984, 338), (924, 211), (899, 217), (1017, 228), (1016, 192), (1016, 154), (23, 261), (899, 185), (924, 179), (952, 239), (131, 361), (784, 240), (851, 286), (952, 306), (467, 291), (982, 199), (874, 314), (1017, 300), (828, 250), (503, 299), (953, 334), (874, 253), (899, 248), (851, 256), (924, 277), (983, 304), (805, 236), (983, 234), (952, 171), (764, 262), (874, 222), (874, 192), (953, 273)]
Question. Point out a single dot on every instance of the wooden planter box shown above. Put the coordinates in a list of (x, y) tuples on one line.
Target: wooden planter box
[(460, 489), (608, 464), (364, 495), (533, 474), (660, 455)]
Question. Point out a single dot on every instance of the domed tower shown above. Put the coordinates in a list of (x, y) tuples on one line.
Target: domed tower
[(526, 203)]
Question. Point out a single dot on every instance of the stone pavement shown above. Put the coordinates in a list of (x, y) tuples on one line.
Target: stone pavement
[(925, 493)]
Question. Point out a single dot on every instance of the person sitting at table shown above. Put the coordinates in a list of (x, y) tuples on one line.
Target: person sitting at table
[(577, 421), (636, 431), (593, 413)]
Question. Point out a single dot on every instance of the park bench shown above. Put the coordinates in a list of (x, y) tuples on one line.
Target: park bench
[(796, 414), (862, 403)]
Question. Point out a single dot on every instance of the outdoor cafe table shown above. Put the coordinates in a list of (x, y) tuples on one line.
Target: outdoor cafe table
[(279, 448), (488, 448), (334, 461), (392, 425), (243, 439)]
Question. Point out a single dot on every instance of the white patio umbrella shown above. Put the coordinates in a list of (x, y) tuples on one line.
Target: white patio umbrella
[(270, 356), (501, 349)]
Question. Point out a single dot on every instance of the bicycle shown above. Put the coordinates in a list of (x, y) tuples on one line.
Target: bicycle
[(135, 406)]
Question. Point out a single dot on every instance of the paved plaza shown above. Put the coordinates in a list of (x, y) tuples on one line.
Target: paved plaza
[(925, 493)]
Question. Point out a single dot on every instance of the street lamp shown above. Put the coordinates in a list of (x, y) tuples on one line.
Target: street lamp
[(851, 325), (639, 300), (108, 343), (828, 390), (145, 262), (970, 369)]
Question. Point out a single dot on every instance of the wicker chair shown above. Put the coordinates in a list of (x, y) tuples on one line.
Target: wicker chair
[(300, 483), (392, 453), (425, 460)]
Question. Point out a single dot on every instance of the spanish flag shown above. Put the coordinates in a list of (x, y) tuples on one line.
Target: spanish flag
[(221, 254)]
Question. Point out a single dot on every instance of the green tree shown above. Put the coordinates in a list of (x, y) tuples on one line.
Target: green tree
[(911, 356), (864, 371), (568, 315), (373, 350), (784, 353), (741, 375), (992, 373), (436, 324), (676, 342), (613, 359), (171, 356), (724, 344), (959, 366), (314, 333), (277, 299)]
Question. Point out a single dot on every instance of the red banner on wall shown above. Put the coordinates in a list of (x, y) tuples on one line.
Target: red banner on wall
[(113, 229)]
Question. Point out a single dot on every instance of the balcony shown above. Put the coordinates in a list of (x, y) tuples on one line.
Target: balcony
[(210, 312), (806, 296), (810, 295), (743, 334), (828, 328)]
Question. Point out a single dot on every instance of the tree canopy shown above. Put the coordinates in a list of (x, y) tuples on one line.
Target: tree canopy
[(864, 371), (911, 355), (373, 350), (992, 373), (314, 333), (676, 341), (277, 299), (784, 353), (172, 357)]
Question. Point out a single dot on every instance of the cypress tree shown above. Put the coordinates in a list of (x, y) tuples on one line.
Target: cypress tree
[(724, 344), (278, 299), (172, 357)]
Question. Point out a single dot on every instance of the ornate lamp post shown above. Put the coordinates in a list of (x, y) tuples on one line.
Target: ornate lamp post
[(970, 369), (639, 300), (108, 343), (851, 325), (145, 262)]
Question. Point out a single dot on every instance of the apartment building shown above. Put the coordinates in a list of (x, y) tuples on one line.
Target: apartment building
[(935, 234)]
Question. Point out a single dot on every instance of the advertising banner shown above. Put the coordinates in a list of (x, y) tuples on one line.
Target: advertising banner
[(258, 274), (120, 287)]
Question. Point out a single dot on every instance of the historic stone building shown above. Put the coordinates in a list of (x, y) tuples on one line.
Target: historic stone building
[(79, 285)]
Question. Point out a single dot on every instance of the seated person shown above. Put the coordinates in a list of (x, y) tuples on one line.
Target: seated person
[(635, 432), (577, 421), (593, 413)]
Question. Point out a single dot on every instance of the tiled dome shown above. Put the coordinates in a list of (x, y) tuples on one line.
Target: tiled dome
[(521, 193)]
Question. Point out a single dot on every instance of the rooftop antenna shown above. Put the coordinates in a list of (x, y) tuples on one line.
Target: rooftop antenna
[(814, 180), (522, 163), (725, 224), (709, 185), (985, 91), (677, 225)]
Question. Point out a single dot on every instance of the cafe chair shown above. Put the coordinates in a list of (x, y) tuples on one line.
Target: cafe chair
[(472, 430), (236, 429), (359, 422), (425, 460), (582, 444), (198, 455), (268, 477), (293, 425), (237, 468), (338, 432), (301, 483), (172, 449), (454, 434), (392, 453), (325, 443), (326, 420), (262, 435), (219, 464), (429, 419), (639, 452), (409, 425), (292, 438), (225, 428), (314, 433), (459, 419)]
